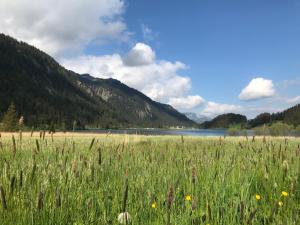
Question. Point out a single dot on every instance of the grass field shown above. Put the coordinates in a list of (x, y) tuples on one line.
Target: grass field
[(91, 179)]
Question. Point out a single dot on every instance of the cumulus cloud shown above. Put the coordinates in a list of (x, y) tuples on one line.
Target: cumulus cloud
[(158, 79), (141, 54), (63, 26), (188, 102), (258, 88), (294, 100), (214, 109)]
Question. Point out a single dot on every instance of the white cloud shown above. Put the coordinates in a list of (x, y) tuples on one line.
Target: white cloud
[(188, 102), (141, 54), (63, 26), (258, 88), (158, 79), (214, 109), (289, 83), (148, 33), (294, 100)]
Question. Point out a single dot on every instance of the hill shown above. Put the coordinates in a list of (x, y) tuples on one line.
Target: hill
[(290, 116), (225, 121), (46, 93)]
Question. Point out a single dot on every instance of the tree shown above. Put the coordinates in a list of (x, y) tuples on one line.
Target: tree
[(52, 128), (10, 120)]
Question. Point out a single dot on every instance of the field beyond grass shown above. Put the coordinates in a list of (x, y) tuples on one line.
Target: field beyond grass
[(90, 179)]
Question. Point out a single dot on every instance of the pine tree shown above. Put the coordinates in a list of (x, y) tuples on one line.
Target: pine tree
[(10, 120), (52, 128)]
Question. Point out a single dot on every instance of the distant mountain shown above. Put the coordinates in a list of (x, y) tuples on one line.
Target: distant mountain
[(44, 92), (225, 121), (290, 116), (196, 118)]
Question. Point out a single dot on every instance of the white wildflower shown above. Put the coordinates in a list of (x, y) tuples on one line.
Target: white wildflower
[(123, 217)]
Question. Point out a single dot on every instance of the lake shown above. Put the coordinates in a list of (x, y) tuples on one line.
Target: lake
[(144, 131)]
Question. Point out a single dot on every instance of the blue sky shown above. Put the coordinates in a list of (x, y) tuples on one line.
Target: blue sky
[(204, 56), (225, 43)]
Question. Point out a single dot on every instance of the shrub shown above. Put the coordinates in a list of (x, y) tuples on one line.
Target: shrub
[(280, 129), (233, 131), (297, 131), (261, 131)]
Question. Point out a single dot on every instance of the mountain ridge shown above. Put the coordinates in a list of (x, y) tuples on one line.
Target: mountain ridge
[(44, 92)]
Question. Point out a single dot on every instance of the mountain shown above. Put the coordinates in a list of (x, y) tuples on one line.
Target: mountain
[(132, 104), (196, 118), (225, 121), (46, 93), (290, 116)]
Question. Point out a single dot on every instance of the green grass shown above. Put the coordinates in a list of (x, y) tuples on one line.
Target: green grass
[(89, 180)]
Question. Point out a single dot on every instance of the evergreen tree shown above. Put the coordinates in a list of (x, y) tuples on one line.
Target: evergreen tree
[(52, 128), (10, 120)]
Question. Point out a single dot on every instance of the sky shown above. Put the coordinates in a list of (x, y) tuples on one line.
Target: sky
[(204, 56)]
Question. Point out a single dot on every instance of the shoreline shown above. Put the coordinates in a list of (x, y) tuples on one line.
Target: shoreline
[(77, 134)]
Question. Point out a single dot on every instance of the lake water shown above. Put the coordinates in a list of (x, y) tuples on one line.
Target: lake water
[(184, 132)]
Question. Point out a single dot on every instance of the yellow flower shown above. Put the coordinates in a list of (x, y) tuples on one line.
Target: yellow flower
[(280, 203), (188, 198), (153, 205), (257, 197), (284, 193)]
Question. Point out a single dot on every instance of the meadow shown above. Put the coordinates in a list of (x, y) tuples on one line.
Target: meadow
[(90, 179)]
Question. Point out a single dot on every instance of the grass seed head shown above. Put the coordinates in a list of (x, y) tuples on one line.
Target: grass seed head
[(170, 197)]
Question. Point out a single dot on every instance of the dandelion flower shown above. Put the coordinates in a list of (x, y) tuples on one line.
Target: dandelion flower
[(153, 205), (280, 203), (188, 198), (284, 194), (257, 197), (124, 218)]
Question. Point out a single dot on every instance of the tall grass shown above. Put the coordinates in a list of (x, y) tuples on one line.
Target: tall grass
[(80, 180)]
